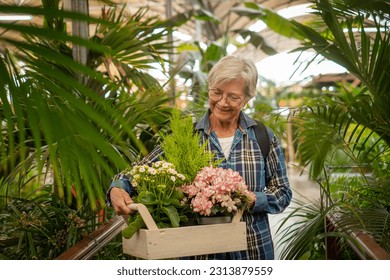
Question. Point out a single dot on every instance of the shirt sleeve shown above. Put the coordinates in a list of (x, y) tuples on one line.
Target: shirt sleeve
[(277, 194)]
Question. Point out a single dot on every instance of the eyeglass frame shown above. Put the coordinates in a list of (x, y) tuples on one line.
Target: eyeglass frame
[(217, 91)]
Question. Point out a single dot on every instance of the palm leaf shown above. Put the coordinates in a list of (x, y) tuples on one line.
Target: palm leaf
[(56, 122), (334, 119), (342, 37)]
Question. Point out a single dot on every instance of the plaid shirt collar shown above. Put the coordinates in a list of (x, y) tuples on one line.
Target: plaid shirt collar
[(245, 123)]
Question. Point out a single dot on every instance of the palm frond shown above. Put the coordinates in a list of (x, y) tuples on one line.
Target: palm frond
[(55, 114), (335, 119)]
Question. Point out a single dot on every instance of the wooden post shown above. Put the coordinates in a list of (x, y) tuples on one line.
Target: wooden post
[(80, 29), (290, 142)]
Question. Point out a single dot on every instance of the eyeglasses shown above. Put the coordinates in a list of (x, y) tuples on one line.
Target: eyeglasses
[(216, 95)]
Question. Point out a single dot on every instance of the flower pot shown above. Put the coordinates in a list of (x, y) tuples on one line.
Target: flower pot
[(213, 220)]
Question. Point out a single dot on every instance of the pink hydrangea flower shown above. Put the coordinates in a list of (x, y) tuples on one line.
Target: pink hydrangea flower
[(216, 190)]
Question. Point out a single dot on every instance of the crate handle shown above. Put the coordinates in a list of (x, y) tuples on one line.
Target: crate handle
[(237, 217), (144, 212)]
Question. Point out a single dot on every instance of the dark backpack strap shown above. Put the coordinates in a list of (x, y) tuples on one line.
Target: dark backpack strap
[(262, 138)]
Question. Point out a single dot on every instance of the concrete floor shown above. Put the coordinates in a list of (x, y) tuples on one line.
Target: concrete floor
[(303, 190)]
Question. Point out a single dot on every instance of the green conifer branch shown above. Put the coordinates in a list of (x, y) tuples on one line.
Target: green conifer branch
[(182, 147)]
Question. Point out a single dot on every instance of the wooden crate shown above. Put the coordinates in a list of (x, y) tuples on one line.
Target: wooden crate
[(155, 243)]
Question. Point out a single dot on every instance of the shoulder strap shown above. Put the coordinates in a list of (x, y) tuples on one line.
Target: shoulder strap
[(262, 138)]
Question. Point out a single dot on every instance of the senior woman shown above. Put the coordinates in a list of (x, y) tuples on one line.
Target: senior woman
[(231, 135)]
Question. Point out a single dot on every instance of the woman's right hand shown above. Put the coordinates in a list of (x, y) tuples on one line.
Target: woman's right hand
[(120, 201)]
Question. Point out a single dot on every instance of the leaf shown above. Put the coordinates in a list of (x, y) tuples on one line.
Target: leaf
[(173, 215), (136, 224), (58, 122), (147, 198), (184, 219), (206, 15), (176, 194), (273, 20), (256, 40), (173, 202), (251, 11)]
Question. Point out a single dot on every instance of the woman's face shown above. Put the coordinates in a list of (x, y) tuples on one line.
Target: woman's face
[(227, 100)]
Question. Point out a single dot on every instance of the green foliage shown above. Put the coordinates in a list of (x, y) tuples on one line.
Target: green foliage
[(137, 42), (181, 147), (67, 126), (163, 203), (365, 54), (265, 111), (343, 140), (349, 162), (134, 223), (41, 228), (274, 21), (156, 188), (346, 131), (303, 234), (182, 150), (74, 122), (113, 251)]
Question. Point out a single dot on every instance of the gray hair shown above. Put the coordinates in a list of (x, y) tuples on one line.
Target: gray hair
[(232, 67)]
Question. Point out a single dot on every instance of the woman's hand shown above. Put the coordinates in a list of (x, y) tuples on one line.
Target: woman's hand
[(251, 203), (120, 201)]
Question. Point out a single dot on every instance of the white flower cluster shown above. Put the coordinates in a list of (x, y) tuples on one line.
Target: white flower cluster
[(160, 172)]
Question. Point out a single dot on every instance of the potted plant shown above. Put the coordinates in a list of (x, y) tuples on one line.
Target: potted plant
[(157, 188)]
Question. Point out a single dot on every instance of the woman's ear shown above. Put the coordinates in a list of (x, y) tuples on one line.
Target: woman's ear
[(245, 103)]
